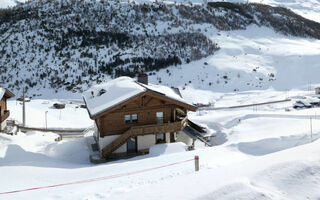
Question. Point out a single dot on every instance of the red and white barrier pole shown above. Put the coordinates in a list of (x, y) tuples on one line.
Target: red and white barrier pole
[(196, 163)]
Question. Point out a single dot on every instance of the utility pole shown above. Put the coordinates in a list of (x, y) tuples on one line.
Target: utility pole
[(311, 127), (23, 108), (46, 119)]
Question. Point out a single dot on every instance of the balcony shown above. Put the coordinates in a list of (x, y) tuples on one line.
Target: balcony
[(144, 130), (159, 128)]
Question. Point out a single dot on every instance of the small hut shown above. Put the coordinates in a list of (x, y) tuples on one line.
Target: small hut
[(4, 112), (317, 90)]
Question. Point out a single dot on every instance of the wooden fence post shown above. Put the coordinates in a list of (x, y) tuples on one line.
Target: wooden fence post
[(196, 163)]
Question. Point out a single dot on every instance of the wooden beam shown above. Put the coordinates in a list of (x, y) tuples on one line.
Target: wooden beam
[(141, 109), (146, 104), (137, 102), (172, 101)]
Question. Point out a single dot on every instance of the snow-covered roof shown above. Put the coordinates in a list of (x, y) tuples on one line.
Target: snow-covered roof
[(2, 91), (102, 97), (106, 95), (164, 90)]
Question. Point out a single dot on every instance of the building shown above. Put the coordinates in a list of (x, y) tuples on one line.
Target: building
[(4, 112), (317, 90), (131, 116)]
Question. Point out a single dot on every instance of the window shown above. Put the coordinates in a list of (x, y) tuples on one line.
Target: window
[(127, 119), (134, 118), (159, 116), (131, 118), (160, 138)]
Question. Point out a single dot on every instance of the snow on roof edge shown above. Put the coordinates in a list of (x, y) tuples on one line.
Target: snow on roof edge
[(102, 111), (5, 91), (175, 96), (2, 92), (102, 97), (106, 95)]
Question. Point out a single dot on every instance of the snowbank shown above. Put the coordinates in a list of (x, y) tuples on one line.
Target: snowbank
[(41, 149), (160, 149)]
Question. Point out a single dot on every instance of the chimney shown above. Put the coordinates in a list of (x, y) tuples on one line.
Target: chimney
[(142, 77)]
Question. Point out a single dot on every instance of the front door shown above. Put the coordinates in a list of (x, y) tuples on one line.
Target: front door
[(172, 139), (132, 145)]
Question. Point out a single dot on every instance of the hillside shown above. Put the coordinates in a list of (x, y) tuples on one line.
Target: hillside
[(69, 45)]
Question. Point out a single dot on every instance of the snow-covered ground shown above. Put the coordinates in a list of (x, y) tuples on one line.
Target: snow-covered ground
[(252, 59), (263, 152), (73, 116)]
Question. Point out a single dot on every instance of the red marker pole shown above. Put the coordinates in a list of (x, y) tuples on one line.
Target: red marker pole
[(196, 163)]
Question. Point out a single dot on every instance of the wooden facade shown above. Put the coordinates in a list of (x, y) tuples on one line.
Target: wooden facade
[(4, 112), (149, 113)]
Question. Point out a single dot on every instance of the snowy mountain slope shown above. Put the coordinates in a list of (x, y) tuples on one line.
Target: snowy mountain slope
[(309, 9), (54, 46), (10, 3), (255, 58)]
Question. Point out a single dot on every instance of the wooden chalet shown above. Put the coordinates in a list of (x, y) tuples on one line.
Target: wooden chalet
[(4, 112), (131, 116)]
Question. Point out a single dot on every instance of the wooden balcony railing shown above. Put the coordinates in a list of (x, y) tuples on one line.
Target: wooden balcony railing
[(143, 130), (4, 116)]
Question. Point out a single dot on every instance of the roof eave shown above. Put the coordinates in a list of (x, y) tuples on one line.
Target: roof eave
[(85, 102), (104, 111), (186, 105), (8, 93)]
